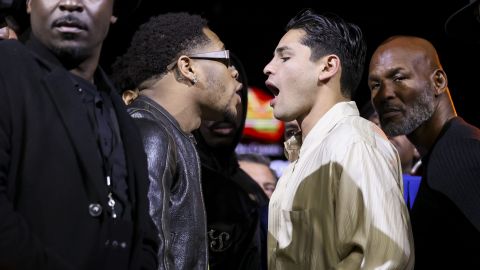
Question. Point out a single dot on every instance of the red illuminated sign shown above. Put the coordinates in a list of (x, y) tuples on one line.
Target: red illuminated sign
[(260, 124)]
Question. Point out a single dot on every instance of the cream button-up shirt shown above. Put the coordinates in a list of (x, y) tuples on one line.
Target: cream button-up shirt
[(340, 204)]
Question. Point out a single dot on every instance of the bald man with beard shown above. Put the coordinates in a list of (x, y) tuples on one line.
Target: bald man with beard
[(410, 92)]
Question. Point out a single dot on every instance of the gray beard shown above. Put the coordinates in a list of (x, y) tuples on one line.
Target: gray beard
[(421, 110)]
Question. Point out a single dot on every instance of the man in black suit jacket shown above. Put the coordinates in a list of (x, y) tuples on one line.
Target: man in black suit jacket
[(73, 174)]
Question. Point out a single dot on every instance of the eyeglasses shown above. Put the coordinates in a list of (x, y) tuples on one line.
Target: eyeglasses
[(220, 56)]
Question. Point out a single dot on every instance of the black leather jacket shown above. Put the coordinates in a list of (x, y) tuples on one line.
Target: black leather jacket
[(176, 201)]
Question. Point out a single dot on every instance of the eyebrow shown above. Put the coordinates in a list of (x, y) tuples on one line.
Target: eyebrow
[(389, 74), (282, 49)]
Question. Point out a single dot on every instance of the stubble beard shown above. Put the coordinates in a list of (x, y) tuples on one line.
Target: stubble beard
[(230, 116), (421, 110), (213, 83), (70, 55), (70, 49)]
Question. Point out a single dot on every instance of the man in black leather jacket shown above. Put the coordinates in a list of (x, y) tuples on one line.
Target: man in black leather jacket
[(232, 199), (183, 74)]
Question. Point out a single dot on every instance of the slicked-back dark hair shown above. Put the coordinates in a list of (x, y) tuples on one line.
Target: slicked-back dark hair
[(156, 44), (330, 34)]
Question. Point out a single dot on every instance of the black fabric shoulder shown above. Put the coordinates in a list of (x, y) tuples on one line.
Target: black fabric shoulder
[(454, 168)]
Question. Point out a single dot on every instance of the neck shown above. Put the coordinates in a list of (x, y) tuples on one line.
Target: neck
[(86, 69), (326, 99)]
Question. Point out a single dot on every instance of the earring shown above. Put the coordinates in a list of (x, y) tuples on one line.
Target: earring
[(195, 79)]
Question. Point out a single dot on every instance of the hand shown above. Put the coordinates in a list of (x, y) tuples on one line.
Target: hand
[(7, 33)]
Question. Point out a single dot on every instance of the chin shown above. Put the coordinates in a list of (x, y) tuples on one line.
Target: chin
[(220, 143), (71, 53), (280, 116)]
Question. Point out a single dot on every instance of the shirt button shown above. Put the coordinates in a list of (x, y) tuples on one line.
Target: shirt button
[(95, 209), (123, 245)]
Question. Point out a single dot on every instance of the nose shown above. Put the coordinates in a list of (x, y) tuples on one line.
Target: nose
[(234, 73), (268, 69), (384, 92), (71, 5)]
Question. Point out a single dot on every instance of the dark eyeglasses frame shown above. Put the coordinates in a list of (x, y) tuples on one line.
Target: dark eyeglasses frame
[(221, 56)]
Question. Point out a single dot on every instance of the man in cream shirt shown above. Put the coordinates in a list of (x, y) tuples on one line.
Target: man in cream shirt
[(340, 204)]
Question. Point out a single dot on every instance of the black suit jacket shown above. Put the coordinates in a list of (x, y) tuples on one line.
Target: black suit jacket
[(51, 173)]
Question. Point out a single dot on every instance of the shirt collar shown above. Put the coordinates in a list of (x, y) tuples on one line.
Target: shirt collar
[(327, 122)]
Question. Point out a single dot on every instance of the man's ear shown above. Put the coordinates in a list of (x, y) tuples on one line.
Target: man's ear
[(29, 8), (186, 69), (113, 19), (329, 66), (440, 82)]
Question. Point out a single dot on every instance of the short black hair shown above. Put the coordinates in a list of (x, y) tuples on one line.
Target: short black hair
[(330, 34), (156, 44)]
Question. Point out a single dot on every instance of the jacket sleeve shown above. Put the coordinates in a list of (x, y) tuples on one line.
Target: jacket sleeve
[(19, 247), (373, 225), (161, 156)]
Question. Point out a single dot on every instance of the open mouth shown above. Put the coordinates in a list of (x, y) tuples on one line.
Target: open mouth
[(272, 88)]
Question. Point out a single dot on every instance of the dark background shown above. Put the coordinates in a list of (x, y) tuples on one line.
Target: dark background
[(252, 29)]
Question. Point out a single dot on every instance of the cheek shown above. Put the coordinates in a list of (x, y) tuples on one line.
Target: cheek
[(374, 100), (239, 107), (103, 26), (409, 96), (102, 15)]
